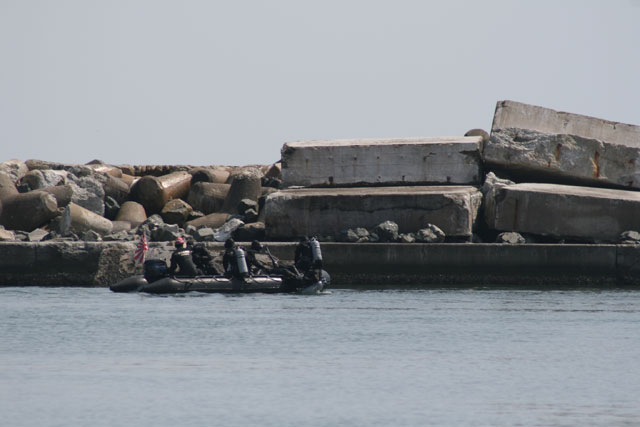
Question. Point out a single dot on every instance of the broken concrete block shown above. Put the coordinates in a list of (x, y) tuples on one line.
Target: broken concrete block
[(563, 211), (511, 114), (326, 211), (539, 142), (352, 162)]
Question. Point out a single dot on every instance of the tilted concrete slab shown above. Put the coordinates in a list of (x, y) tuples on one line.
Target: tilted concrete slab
[(326, 211), (563, 211), (511, 114), (362, 162), (568, 147)]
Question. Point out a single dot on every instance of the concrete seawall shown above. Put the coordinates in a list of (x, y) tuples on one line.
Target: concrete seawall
[(350, 265)]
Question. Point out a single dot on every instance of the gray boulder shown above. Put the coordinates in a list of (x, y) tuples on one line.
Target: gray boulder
[(386, 231), (38, 235), (430, 234), (37, 179), (630, 237), (348, 236), (204, 234), (15, 168), (165, 233), (226, 231), (406, 238), (250, 232), (511, 238), (176, 211), (7, 235), (90, 236), (88, 193)]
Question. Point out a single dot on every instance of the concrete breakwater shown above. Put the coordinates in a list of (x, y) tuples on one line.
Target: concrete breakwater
[(351, 264), (539, 180)]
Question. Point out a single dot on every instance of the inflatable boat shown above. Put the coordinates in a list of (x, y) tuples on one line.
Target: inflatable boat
[(157, 281)]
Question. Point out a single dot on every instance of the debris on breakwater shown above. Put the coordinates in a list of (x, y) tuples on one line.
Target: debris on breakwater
[(567, 178)]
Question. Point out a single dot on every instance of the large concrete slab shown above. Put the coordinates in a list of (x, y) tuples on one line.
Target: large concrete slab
[(563, 211), (511, 114), (326, 211), (362, 162), (563, 147)]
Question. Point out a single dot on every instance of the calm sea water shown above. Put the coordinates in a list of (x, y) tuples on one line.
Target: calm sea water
[(446, 357)]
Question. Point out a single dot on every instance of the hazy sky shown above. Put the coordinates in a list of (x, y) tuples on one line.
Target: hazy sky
[(229, 82)]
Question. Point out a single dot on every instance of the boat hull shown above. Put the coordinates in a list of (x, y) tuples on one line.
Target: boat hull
[(214, 284), (222, 284)]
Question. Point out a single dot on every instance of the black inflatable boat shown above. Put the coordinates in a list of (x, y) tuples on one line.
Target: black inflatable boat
[(157, 281)]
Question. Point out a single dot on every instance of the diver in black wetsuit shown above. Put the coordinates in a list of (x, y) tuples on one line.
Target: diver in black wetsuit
[(203, 260), (182, 261), (233, 260), (255, 265)]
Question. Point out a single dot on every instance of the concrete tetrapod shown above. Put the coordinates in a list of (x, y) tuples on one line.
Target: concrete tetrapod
[(154, 192), (219, 176), (208, 197), (28, 211), (245, 185), (77, 219), (131, 212)]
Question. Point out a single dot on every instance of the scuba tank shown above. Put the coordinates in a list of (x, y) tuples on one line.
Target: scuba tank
[(315, 249), (241, 261)]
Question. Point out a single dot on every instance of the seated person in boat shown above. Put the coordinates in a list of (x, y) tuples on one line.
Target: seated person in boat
[(203, 260), (257, 266), (233, 260), (181, 260)]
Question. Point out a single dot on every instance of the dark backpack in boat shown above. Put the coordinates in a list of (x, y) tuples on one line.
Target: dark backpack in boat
[(155, 269)]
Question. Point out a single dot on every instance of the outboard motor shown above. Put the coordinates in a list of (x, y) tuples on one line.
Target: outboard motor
[(315, 250), (241, 262), (155, 269)]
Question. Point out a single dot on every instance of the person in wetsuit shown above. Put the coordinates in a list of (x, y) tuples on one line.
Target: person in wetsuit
[(203, 260), (181, 260), (255, 265), (230, 262), (303, 255)]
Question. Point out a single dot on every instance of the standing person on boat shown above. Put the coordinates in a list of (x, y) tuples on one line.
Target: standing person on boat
[(303, 256), (233, 260), (308, 259), (182, 261)]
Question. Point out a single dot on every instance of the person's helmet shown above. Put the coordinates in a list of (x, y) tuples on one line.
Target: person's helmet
[(256, 246), (179, 242), (229, 243)]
